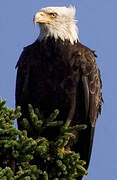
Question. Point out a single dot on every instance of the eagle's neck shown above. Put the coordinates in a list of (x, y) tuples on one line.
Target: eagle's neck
[(64, 32)]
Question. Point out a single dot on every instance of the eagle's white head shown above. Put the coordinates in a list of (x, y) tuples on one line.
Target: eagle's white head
[(57, 22)]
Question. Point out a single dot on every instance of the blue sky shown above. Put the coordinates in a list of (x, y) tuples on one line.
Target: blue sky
[(97, 29)]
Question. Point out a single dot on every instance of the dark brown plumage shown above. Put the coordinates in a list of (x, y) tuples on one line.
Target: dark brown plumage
[(53, 74)]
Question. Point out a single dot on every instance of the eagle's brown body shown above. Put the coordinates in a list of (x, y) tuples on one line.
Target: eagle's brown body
[(53, 74)]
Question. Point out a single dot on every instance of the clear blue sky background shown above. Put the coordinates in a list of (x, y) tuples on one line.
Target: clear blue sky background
[(98, 29)]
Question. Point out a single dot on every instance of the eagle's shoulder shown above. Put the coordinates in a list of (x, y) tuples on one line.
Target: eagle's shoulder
[(84, 57), (32, 46), (85, 51), (26, 53)]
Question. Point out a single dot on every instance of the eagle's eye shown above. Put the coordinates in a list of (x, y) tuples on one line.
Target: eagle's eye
[(53, 15)]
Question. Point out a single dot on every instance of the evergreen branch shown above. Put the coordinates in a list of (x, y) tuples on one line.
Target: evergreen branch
[(22, 157)]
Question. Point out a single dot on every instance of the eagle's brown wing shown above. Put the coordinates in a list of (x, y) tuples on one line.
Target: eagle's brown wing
[(90, 94)]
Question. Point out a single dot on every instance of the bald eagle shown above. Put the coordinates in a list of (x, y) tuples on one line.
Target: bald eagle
[(58, 72)]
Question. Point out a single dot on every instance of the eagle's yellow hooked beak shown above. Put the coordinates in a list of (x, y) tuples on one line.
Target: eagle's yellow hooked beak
[(42, 17)]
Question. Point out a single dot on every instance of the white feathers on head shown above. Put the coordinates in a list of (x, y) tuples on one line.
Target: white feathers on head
[(64, 26), (69, 12)]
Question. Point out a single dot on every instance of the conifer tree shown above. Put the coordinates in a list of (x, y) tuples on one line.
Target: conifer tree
[(24, 158)]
